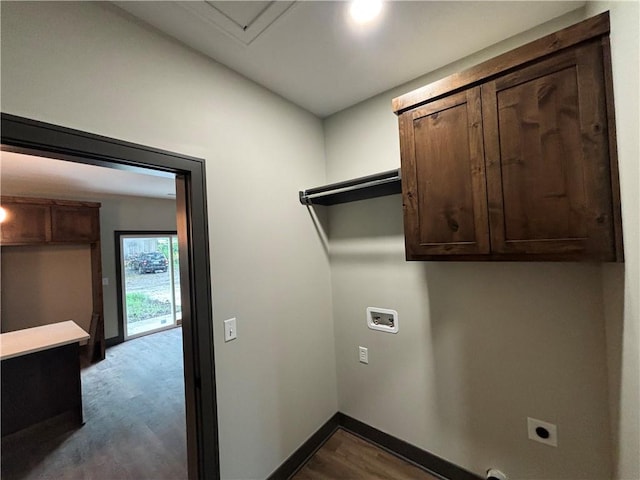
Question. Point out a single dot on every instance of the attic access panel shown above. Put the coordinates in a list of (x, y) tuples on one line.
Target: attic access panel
[(244, 21)]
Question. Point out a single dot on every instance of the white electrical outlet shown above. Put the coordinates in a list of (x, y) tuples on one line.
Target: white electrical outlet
[(542, 432), (363, 352), (230, 332)]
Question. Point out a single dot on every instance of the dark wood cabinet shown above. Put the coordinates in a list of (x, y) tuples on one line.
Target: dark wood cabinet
[(33, 221), (443, 147), (548, 178), (43, 221), (25, 223), (74, 224), (518, 163)]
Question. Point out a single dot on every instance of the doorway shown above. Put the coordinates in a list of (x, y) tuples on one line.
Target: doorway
[(31, 137), (148, 280)]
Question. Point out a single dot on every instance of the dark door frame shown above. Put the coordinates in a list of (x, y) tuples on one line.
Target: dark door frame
[(31, 137), (117, 234)]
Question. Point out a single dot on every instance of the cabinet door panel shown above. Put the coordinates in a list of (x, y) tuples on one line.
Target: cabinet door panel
[(25, 224), (444, 189), (547, 158), (74, 224)]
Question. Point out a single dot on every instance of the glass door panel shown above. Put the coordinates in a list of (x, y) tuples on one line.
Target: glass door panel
[(176, 278), (150, 283)]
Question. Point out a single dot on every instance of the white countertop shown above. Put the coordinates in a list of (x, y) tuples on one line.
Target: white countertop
[(36, 339)]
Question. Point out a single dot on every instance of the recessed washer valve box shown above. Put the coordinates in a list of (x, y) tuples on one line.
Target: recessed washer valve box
[(382, 319)]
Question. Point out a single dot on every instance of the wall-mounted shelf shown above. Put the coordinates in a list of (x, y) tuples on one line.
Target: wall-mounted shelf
[(362, 188)]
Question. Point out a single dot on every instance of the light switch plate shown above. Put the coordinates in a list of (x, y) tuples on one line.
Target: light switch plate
[(230, 331), (363, 354)]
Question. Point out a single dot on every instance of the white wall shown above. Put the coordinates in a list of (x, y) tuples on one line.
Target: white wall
[(481, 345), (621, 283), (90, 66), (46, 284)]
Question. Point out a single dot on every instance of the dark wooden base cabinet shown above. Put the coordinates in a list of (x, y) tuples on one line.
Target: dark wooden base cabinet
[(515, 159), (40, 386)]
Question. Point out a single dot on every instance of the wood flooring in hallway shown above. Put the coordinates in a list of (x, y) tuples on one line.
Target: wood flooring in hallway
[(348, 457), (134, 421)]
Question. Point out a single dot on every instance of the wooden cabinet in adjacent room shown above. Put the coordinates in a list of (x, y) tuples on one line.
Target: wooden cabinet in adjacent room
[(515, 158), (41, 220), (51, 224), (25, 223), (74, 224)]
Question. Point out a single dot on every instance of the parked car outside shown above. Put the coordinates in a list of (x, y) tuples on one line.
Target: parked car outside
[(152, 262)]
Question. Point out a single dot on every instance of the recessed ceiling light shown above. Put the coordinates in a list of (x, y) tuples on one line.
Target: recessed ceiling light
[(363, 11)]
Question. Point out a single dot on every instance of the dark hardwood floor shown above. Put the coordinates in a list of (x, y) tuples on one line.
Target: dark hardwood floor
[(134, 421), (346, 456)]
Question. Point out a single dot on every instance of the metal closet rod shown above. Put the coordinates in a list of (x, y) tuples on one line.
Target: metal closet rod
[(376, 185)]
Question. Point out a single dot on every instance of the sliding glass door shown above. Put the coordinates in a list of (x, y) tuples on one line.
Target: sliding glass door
[(150, 283)]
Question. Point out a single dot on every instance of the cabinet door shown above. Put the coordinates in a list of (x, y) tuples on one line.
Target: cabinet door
[(74, 224), (25, 223), (548, 174), (443, 178)]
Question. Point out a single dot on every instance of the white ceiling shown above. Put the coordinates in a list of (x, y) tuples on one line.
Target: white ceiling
[(312, 54), (25, 175), (306, 51)]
